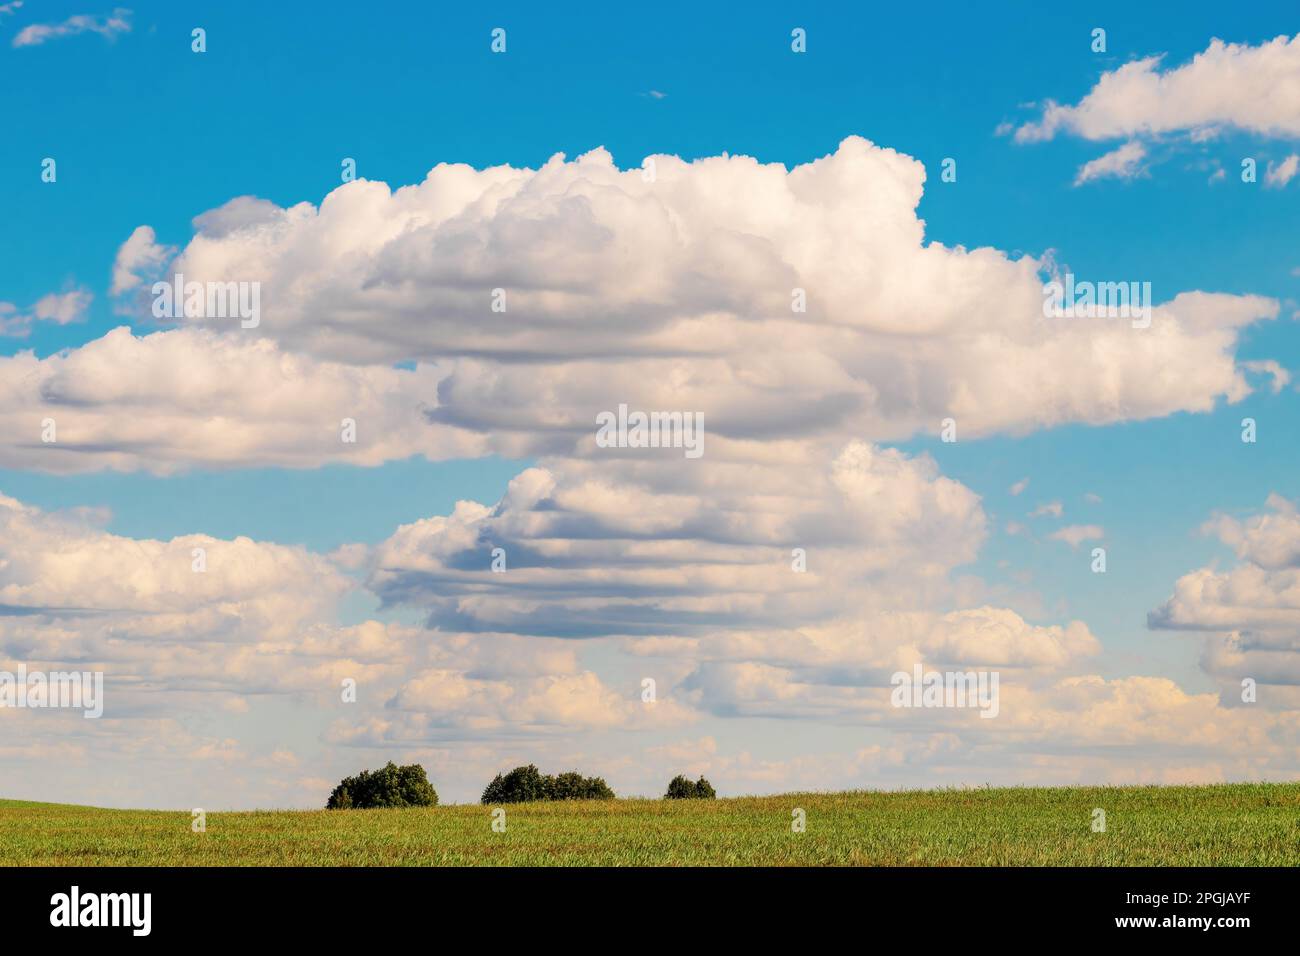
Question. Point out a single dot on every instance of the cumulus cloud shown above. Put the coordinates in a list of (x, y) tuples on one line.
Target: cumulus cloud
[(645, 548), (169, 400), (138, 259), (814, 306), (1250, 613), (63, 564), (1251, 88)]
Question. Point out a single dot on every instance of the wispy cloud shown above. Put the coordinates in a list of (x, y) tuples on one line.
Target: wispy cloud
[(1278, 175), (61, 308), (1075, 534), (1281, 378), (1122, 163), (107, 26)]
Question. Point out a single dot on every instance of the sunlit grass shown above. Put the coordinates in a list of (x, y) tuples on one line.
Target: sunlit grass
[(1232, 825)]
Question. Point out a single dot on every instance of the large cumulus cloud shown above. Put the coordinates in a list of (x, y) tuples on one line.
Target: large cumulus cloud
[(678, 291)]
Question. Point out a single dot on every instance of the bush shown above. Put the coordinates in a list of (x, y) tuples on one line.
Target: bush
[(393, 786), (526, 784), (681, 788)]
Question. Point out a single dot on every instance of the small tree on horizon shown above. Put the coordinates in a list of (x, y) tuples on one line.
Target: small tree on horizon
[(528, 784), (681, 788), (390, 786)]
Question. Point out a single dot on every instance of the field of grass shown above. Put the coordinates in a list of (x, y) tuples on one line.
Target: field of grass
[(1230, 825)]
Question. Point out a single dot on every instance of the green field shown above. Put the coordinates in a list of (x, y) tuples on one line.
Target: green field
[(1233, 825)]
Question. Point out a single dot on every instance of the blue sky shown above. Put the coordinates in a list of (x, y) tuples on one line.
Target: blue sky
[(145, 131)]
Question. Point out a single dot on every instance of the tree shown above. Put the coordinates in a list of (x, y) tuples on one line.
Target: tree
[(521, 785), (681, 788), (392, 786), (574, 786), (527, 784)]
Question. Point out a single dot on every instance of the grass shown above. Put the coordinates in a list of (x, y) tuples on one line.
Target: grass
[(1228, 825)]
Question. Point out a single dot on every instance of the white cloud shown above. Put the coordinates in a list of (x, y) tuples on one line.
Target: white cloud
[(677, 294), (59, 308), (644, 548), (1124, 162), (138, 259), (107, 26), (1075, 534), (261, 620), (167, 401), (63, 308), (1018, 487), (1279, 377), (1252, 88), (1053, 509), (60, 563), (898, 335), (1277, 176), (1251, 612)]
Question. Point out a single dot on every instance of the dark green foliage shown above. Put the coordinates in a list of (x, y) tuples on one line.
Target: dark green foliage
[(393, 786), (574, 786), (681, 788), (525, 784), (521, 785)]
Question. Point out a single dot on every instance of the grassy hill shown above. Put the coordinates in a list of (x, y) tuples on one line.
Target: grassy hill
[(1235, 824)]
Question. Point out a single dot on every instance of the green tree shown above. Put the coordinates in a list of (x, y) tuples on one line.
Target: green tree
[(528, 784), (391, 786), (681, 788)]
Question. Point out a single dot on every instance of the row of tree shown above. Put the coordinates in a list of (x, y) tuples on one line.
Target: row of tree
[(409, 786)]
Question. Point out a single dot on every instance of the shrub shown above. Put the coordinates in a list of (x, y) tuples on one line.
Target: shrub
[(393, 786), (681, 788), (526, 784)]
